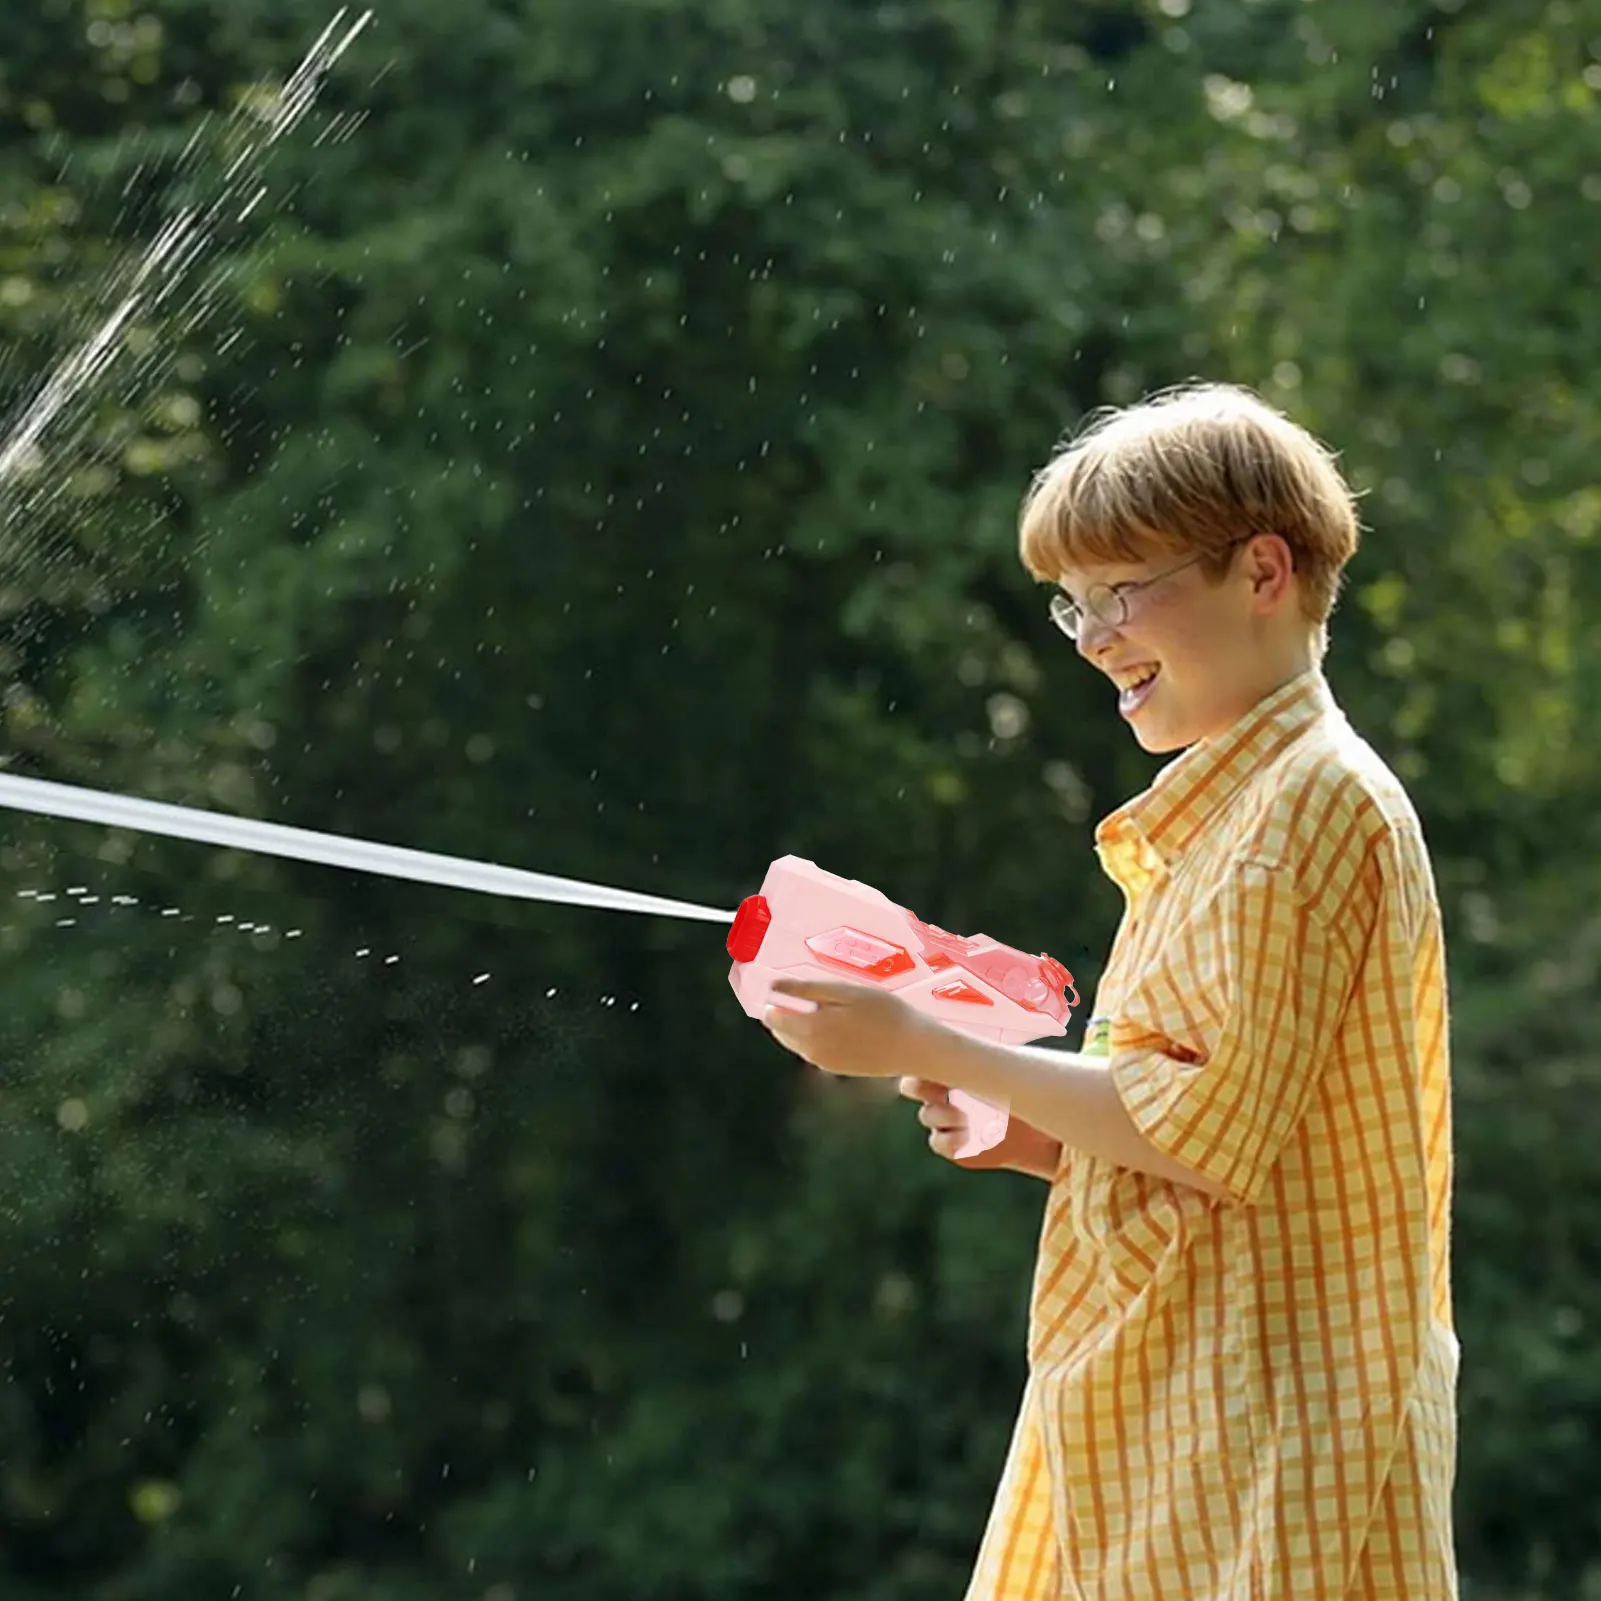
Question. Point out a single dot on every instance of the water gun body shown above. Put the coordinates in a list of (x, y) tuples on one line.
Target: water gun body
[(808, 923)]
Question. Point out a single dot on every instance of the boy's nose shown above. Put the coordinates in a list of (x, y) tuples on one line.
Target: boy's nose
[(1093, 636)]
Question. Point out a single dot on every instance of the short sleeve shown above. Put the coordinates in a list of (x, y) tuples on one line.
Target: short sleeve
[(1268, 985)]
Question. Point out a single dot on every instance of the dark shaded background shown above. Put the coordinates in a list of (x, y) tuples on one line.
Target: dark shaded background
[(605, 460)]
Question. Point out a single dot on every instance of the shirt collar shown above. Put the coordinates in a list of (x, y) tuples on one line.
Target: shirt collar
[(1153, 830)]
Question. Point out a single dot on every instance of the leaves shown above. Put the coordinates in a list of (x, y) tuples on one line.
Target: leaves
[(605, 459)]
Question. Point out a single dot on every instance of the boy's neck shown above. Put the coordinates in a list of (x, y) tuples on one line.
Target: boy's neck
[(1295, 658), (1294, 663)]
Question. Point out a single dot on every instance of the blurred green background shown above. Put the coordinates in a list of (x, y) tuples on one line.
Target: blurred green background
[(604, 459)]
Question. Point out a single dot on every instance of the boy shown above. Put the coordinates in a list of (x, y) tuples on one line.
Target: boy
[(1242, 1362)]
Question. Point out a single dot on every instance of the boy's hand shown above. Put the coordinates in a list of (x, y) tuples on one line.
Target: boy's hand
[(947, 1124), (1023, 1150), (856, 1031)]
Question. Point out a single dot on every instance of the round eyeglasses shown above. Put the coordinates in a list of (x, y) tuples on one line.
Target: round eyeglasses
[(1108, 604)]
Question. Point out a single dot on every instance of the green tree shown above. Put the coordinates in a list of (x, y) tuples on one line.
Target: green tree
[(604, 459)]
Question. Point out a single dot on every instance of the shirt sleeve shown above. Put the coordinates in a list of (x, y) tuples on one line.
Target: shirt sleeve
[(1265, 975)]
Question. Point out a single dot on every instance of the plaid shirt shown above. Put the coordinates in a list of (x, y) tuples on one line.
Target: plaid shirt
[(1253, 1399)]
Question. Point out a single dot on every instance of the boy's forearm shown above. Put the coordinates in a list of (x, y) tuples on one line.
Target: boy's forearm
[(1065, 1096)]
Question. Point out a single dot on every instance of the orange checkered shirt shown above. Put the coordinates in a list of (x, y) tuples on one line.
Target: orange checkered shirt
[(1253, 1399)]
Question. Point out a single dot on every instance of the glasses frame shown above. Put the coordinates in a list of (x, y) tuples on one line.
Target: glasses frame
[(1108, 604)]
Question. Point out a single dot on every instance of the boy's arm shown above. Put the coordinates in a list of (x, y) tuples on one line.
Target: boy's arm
[(1271, 983), (1064, 1099)]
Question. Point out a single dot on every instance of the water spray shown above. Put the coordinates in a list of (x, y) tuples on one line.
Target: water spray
[(804, 922)]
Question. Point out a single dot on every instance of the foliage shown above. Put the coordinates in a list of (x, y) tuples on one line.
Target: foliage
[(604, 459)]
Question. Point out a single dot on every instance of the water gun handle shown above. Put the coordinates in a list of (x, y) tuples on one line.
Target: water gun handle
[(808, 923)]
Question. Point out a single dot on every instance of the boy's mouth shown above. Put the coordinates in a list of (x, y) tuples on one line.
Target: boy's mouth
[(1135, 686)]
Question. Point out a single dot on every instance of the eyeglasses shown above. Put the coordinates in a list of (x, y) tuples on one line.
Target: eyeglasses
[(1108, 603)]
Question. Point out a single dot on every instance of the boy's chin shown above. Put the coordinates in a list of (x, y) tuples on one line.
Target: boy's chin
[(1160, 741), (1160, 736)]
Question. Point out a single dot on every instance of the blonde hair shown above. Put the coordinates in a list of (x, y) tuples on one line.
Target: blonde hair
[(1196, 469)]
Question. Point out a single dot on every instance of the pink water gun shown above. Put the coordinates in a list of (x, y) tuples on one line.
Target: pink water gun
[(805, 922)]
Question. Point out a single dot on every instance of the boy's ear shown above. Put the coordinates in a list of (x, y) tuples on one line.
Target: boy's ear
[(1270, 565)]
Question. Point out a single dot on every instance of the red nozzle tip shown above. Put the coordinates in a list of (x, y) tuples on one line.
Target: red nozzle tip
[(751, 923)]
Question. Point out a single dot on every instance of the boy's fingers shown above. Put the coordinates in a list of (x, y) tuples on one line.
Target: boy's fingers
[(923, 1089), (818, 990), (778, 1019)]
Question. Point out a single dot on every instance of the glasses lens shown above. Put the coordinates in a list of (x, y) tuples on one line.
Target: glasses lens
[(1065, 615), (1106, 605)]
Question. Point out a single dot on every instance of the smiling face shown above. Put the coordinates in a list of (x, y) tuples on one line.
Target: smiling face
[(1209, 472), (1195, 653)]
